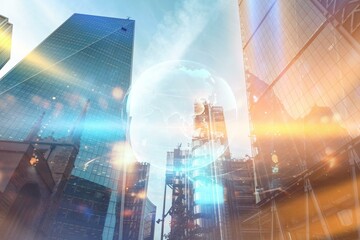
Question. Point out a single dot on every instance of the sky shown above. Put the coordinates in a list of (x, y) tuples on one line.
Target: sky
[(206, 32)]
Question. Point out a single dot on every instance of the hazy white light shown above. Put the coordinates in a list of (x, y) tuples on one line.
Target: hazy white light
[(121, 155), (163, 103), (255, 98), (117, 93), (346, 217)]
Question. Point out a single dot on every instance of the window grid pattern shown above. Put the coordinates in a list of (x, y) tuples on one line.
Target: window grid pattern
[(321, 89), (286, 31), (85, 58), (251, 14), (327, 74)]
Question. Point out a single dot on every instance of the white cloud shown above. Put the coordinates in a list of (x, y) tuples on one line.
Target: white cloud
[(178, 30)]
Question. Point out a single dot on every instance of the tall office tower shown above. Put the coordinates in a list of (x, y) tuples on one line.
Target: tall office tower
[(5, 40), (238, 180), (82, 211), (303, 86), (209, 149), (178, 180), (86, 58), (149, 220), (195, 176), (131, 206)]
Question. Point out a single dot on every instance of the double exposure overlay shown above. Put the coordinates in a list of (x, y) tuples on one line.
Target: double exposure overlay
[(87, 59), (213, 120), (303, 88)]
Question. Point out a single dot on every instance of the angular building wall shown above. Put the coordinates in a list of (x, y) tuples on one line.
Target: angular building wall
[(238, 182), (131, 204), (303, 86), (39, 198), (82, 211), (303, 82), (149, 220), (5, 40), (25, 190), (86, 58), (33, 177)]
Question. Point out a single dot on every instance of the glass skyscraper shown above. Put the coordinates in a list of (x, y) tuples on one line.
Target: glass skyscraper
[(5, 40), (303, 82), (86, 58), (302, 72), (149, 220)]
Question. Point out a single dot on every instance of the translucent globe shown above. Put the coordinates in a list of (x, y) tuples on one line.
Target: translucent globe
[(162, 105)]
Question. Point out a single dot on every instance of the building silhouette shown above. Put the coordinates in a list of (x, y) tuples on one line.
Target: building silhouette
[(303, 81), (34, 173), (5, 40), (135, 213), (82, 210), (87, 57), (149, 220), (209, 148), (178, 181), (199, 204), (25, 192), (40, 199), (238, 183)]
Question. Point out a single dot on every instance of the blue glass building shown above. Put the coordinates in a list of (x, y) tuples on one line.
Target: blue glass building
[(87, 57), (82, 212), (5, 40)]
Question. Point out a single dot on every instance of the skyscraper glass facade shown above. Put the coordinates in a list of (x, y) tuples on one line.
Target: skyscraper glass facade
[(82, 212), (303, 82), (302, 63), (149, 220), (5, 40), (86, 58), (130, 208)]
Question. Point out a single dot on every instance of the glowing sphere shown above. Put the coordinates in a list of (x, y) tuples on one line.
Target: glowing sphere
[(163, 102)]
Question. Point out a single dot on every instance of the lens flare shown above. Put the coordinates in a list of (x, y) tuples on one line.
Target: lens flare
[(121, 155), (117, 93)]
